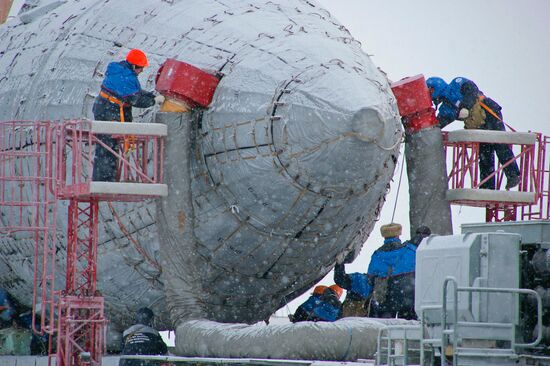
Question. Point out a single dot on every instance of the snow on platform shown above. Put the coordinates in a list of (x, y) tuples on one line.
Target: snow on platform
[(122, 188), (115, 191), (129, 128), (495, 137), (484, 196)]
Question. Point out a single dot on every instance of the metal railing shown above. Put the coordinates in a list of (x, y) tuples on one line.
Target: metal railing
[(403, 335), (142, 162), (454, 330), (464, 173), (29, 204), (42, 162)]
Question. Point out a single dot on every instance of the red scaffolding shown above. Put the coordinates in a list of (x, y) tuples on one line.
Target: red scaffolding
[(529, 201), (42, 162)]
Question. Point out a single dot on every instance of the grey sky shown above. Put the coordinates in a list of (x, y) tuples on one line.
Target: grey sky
[(503, 45)]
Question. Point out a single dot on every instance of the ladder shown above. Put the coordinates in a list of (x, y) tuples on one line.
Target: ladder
[(43, 162)]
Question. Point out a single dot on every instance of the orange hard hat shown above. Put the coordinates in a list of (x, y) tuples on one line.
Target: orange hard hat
[(337, 289), (137, 57), (319, 290)]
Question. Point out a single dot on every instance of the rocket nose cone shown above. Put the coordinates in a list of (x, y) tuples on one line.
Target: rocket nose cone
[(335, 131)]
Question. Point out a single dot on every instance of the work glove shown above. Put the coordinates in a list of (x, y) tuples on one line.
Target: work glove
[(463, 114), (350, 257), (159, 99)]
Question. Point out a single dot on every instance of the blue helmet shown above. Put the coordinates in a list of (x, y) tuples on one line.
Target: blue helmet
[(437, 86)]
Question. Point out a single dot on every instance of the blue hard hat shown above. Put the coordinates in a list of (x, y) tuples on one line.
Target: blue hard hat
[(438, 85)]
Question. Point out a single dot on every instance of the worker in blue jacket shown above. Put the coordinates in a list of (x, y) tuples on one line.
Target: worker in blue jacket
[(323, 305), (120, 91), (8, 311), (462, 100), (388, 286), (358, 290)]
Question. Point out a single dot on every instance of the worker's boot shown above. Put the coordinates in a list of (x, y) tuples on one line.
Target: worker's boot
[(513, 181)]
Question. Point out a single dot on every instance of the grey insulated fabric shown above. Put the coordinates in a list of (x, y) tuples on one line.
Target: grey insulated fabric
[(427, 173), (175, 219), (344, 340), (289, 165)]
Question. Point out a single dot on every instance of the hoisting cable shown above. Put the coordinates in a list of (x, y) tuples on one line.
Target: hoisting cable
[(287, 308), (398, 186)]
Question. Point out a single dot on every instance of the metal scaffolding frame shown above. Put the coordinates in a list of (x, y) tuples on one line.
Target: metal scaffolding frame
[(54, 160), (529, 202)]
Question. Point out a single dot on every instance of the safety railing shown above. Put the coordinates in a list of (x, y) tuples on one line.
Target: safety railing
[(26, 175), (44, 161), (541, 209), (28, 204), (401, 344), (138, 156), (434, 342), (452, 329), (531, 195)]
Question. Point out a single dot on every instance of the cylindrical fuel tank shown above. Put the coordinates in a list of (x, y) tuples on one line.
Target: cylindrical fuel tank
[(289, 164)]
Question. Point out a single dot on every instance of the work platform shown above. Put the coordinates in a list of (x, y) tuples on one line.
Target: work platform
[(529, 200), (129, 128), (140, 161), (140, 169), (481, 197)]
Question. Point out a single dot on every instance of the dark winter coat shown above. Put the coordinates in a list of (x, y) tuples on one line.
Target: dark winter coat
[(464, 93), (391, 268), (141, 339), (121, 82), (460, 93), (8, 310), (325, 307), (393, 265), (356, 284)]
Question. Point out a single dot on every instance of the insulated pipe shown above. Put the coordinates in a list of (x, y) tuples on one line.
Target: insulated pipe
[(175, 219), (344, 340), (426, 165)]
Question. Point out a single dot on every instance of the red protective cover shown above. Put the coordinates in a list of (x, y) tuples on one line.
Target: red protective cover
[(414, 103), (186, 82), (412, 95)]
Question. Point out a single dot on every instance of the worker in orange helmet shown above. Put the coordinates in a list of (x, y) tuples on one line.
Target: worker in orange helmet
[(120, 91), (337, 290), (322, 305), (319, 290)]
